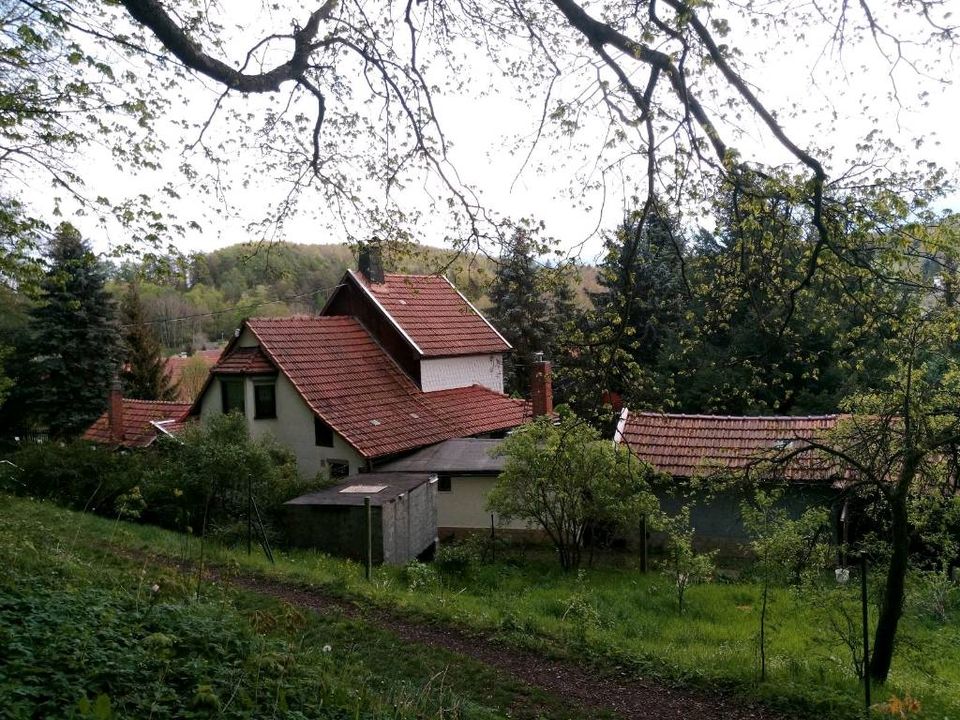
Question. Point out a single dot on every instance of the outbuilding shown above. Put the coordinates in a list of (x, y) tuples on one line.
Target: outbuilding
[(403, 515)]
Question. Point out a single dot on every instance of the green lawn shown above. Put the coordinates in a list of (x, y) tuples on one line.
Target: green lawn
[(86, 632), (613, 617)]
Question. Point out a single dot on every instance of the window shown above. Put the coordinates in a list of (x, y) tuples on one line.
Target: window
[(322, 433), (264, 400), (338, 469), (231, 392), (444, 483)]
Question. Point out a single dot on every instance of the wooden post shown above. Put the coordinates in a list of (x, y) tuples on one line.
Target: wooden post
[(643, 543), (369, 511), (493, 540), (866, 635), (249, 513)]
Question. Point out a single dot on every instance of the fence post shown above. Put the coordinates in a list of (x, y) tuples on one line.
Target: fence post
[(866, 635), (369, 512), (643, 543)]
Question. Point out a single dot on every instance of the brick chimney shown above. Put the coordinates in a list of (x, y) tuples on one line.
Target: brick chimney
[(371, 264), (115, 412), (541, 387)]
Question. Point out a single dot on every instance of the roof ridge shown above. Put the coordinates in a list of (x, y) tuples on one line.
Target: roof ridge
[(704, 416), (157, 402)]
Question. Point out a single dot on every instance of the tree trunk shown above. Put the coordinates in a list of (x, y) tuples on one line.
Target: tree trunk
[(893, 594)]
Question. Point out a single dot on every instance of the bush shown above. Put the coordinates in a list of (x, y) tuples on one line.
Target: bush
[(199, 481)]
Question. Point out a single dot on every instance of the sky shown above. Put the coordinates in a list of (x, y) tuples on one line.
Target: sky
[(836, 113)]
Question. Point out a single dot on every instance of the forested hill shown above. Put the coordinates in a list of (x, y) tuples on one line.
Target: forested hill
[(198, 301)]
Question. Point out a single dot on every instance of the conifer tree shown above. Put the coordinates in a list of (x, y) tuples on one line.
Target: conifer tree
[(145, 375), (69, 356), (531, 303)]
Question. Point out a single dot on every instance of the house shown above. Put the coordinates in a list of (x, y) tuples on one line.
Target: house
[(393, 363), (688, 447), (189, 384), (131, 423), (466, 470)]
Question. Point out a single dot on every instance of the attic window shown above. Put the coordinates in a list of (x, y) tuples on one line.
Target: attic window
[(414, 416), (783, 444), (375, 422), (231, 394)]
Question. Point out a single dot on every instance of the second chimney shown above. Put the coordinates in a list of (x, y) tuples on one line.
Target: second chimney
[(371, 264), (541, 388), (115, 412)]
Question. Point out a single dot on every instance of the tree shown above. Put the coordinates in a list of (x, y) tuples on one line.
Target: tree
[(69, 357), (783, 548), (684, 565), (349, 92), (145, 375), (564, 477), (616, 347), (531, 304)]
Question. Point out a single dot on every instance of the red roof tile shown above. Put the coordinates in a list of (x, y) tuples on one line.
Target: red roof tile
[(350, 382), (697, 445), (137, 416), (434, 315), (244, 361)]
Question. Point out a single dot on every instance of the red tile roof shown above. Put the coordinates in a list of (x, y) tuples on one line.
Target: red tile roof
[(434, 315), (350, 382), (698, 445), (137, 416), (244, 361)]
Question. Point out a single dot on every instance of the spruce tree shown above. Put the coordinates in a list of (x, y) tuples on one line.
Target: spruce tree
[(145, 375), (69, 355), (531, 304)]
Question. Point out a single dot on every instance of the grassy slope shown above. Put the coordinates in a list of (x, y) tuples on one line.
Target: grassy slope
[(85, 635), (613, 617)]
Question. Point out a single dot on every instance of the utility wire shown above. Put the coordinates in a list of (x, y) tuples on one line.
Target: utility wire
[(214, 313)]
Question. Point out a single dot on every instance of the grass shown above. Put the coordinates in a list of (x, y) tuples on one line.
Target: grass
[(612, 617), (88, 632)]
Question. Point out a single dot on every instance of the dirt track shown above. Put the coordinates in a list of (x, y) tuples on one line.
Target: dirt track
[(581, 687)]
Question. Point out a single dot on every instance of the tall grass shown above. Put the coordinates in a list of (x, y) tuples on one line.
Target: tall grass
[(613, 617)]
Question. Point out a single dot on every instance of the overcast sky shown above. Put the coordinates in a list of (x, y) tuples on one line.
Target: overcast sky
[(482, 129)]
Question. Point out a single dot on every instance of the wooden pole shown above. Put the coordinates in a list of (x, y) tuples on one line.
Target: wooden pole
[(369, 512), (493, 540), (249, 513), (866, 635), (643, 543)]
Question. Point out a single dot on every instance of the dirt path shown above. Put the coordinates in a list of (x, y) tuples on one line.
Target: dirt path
[(580, 686)]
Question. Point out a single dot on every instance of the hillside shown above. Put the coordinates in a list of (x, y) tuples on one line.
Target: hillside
[(197, 303)]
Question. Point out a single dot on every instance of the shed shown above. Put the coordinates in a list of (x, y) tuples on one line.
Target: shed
[(403, 513)]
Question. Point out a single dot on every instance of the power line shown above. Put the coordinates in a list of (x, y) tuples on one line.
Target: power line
[(238, 306)]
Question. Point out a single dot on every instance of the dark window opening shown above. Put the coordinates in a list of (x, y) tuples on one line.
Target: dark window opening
[(322, 433), (444, 483), (338, 469), (264, 401), (231, 392)]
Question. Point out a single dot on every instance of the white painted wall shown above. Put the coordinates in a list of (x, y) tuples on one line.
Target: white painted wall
[(454, 372), (293, 426), (465, 505)]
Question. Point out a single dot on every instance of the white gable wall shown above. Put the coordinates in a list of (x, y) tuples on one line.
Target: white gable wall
[(462, 371), (292, 428)]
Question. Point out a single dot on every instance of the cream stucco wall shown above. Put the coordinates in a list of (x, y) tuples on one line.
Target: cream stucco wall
[(454, 372), (465, 505), (293, 426)]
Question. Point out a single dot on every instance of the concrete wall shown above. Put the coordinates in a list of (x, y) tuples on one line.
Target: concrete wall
[(410, 524), (293, 426), (454, 372), (464, 507)]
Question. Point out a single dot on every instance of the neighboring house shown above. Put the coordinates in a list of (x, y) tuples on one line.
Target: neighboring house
[(135, 423), (392, 364), (686, 447), (184, 375)]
